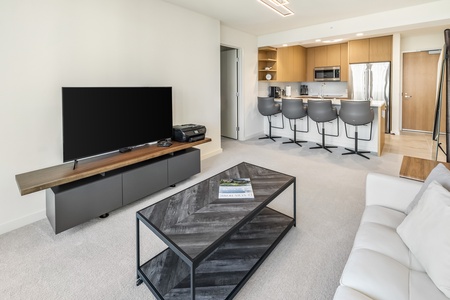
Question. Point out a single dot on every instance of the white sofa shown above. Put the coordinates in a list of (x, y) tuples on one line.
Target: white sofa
[(380, 265)]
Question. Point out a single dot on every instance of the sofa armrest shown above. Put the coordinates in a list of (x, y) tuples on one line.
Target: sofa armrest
[(390, 191)]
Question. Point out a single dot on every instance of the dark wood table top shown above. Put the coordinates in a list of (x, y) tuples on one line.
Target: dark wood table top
[(418, 168), (195, 220)]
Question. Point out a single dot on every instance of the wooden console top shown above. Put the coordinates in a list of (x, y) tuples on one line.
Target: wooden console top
[(418, 168), (41, 179)]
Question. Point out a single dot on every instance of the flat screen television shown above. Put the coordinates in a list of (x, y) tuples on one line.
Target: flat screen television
[(98, 120)]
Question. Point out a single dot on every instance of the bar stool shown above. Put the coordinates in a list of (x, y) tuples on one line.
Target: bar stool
[(356, 113), (322, 111), (293, 110), (267, 107)]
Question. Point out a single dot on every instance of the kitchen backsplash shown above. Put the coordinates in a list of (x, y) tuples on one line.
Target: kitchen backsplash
[(314, 88)]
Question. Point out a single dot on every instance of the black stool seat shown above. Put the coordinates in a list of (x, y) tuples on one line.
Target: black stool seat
[(356, 113)]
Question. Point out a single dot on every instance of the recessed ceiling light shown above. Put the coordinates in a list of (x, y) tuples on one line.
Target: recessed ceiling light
[(285, 45), (280, 9), (360, 34), (332, 41), (318, 40)]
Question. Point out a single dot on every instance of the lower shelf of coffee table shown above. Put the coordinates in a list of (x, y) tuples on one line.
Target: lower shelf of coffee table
[(224, 271)]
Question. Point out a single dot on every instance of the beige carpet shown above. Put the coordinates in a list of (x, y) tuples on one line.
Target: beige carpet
[(97, 260)]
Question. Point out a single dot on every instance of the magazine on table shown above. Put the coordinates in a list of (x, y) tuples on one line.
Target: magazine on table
[(233, 188)]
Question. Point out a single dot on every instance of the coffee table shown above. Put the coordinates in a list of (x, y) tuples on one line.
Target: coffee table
[(214, 245)]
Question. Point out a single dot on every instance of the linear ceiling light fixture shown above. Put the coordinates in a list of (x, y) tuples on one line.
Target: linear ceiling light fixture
[(279, 6), (279, 2)]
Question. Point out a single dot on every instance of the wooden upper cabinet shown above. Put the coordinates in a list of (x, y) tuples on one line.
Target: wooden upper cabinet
[(344, 62), (320, 56), (310, 63), (358, 51), (370, 50), (291, 64), (327, 56), (334, 55), (299, 63), (380, 49)]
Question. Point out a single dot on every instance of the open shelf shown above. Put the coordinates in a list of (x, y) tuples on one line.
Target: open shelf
[(221, 274)]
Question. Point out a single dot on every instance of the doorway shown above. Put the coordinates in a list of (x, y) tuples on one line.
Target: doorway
[(229, 92), (419, 90)]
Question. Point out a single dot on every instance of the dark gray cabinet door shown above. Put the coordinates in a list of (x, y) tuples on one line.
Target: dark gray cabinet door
[(183, 164), (144, 180), (75, 203)]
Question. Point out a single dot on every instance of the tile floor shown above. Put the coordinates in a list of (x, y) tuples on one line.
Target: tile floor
[(414, 144)]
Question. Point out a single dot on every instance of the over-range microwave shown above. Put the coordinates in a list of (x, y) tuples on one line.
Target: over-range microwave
[(327, 74)]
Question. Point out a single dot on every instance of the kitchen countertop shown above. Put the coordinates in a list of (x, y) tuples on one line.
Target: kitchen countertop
[(334, 101)]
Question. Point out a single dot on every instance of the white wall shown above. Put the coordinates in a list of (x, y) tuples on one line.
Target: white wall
[(48, 44), (248, 113)]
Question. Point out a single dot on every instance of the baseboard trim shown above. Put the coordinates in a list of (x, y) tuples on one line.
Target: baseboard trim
[(22, 221), (212, 153)]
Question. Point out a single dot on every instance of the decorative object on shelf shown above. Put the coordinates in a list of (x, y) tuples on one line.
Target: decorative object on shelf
[(268, 76), (267, 68)]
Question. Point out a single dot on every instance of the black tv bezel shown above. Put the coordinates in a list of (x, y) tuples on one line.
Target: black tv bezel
[(154, 115)]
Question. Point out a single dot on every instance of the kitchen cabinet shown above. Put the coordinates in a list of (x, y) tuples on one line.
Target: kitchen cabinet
[(267, 63), (327, 56), (370, 50), (358, 51), (380, 49), (310, 64), (291, 64), (344, 61)]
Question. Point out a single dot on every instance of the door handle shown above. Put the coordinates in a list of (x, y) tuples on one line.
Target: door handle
[(406, 96)]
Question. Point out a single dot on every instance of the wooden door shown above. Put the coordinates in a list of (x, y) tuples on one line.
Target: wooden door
[(419, 90)]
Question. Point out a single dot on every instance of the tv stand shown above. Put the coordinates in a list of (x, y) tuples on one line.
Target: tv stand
[(102, 184)]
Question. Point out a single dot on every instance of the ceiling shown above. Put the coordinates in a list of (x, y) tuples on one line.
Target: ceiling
[(252, 17)]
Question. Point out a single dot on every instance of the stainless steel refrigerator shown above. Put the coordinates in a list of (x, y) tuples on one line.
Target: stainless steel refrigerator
[(371, 81)]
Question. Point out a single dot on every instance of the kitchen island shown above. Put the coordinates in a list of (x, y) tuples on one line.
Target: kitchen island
[(375, 145)]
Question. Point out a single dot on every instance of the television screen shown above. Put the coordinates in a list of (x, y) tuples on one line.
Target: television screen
[(97, 120)]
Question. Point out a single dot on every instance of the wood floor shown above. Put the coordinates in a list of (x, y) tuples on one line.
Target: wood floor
[(414, 144)]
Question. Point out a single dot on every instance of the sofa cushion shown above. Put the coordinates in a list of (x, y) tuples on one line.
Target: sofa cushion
[(345, 293), (441, 174), (376, 275), (387, 220), (426, 233)]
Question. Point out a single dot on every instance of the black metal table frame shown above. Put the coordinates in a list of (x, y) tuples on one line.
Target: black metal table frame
[(141, 277)]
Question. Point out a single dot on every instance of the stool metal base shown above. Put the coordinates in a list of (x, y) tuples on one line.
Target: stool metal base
[(323, 146), (360, 153), (351, 151), (291, 141), (270, 137), (319, 146)]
